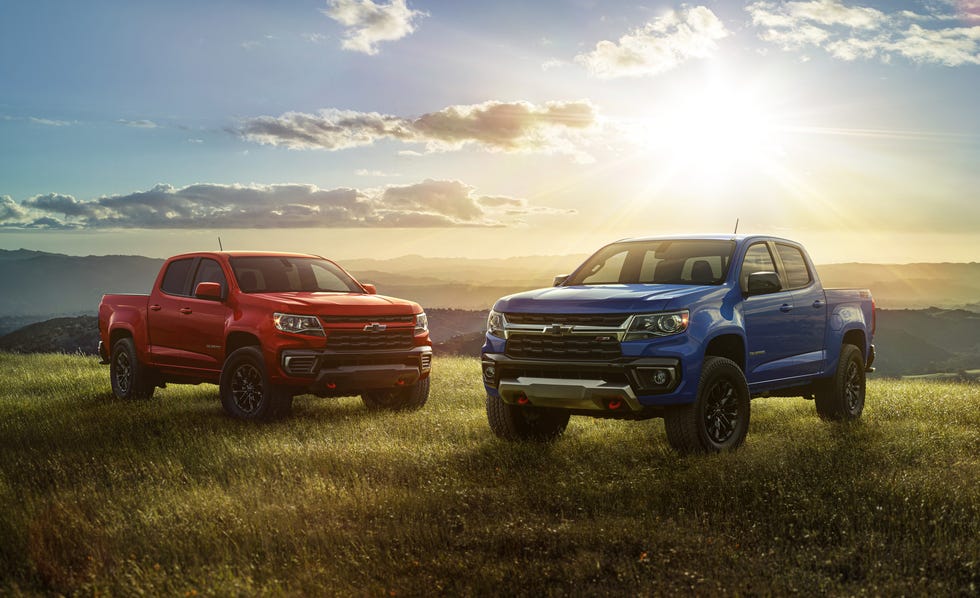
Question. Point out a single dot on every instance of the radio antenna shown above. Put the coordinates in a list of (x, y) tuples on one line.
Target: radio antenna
[(220, 248), (734, 233)]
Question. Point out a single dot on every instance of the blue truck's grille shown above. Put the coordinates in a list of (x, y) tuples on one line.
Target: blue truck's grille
[(370, 341), (547, 346), (608, 320)]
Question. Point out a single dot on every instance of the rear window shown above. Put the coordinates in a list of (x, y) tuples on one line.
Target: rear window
[(175, 279), (797, 274)]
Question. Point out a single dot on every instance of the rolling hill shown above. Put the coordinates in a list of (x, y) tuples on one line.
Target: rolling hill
[(456, 292)]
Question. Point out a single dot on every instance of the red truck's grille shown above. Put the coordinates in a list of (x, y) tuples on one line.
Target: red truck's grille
[(608, 320), (548, 346), (404, 318), (389, 340)]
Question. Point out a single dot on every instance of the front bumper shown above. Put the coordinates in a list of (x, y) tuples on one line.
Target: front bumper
[(343, 373), (589, 386)]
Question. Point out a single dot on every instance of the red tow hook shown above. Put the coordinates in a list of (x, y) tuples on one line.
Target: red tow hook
[(331, 385), (522, 399), (614, 404)]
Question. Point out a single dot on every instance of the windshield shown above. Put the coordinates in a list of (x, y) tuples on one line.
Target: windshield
[(686, 261), (271, 274)]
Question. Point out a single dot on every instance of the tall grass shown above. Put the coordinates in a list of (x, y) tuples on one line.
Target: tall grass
[(170, 496)]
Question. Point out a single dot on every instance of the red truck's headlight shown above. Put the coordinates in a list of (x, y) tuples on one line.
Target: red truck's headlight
[(421, 323), (298, 324)]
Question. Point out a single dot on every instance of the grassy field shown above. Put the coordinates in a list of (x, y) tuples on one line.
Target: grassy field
[(169, 496)]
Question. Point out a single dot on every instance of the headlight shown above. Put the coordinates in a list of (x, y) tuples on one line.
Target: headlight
[(662, 324), (495, 323), (298, 324), (421, 323)]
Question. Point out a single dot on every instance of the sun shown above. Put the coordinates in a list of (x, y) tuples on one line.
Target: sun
[(713, 132)]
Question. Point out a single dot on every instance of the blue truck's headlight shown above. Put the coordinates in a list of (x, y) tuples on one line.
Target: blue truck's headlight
[(298, 324), (421, 323), (661, 324), (495, 323)]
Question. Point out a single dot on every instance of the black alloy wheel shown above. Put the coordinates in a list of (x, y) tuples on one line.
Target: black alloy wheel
[(721, 411), (246, 388)]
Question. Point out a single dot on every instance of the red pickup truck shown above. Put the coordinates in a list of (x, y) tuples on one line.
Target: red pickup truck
[(266, 327)]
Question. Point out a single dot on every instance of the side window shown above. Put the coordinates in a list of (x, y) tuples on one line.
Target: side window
[(175, 279), (797, 273), (609, 271), (210, 271), (757, 259)]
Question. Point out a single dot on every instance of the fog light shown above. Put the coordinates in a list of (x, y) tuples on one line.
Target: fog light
[(489, 373), (658, 378)]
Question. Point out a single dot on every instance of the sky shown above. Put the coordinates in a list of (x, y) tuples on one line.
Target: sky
[(355, 128)]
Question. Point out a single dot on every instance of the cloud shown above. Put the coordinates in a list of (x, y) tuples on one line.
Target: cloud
[(328, 129), (60, 204), (430, 203), (48, 122), (496, 126), (9, 209), (368, 23), (139, 124), (657, 47), (852, 32)]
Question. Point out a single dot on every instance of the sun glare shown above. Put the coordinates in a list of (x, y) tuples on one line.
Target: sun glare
[(712, 134)]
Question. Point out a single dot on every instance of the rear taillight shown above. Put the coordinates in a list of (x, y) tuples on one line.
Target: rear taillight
[(874, 316)]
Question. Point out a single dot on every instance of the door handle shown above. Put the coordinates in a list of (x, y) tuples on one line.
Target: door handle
[(785, 307), (185, 310), (817, 304), (155, 307)]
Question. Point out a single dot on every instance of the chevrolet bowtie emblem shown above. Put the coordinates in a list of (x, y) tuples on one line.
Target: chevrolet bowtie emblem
[(374, 327), (558, 329)]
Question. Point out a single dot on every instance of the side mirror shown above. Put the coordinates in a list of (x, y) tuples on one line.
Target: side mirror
[(763, 283), (560, 280), (209, 290), (370, 288)]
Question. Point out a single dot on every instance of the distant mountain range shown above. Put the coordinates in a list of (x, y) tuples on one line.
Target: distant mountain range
[(38, 285), (909, 342)]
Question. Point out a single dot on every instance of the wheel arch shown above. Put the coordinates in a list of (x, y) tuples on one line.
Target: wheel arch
[(238, 339), (856, 337), (730, 346), (117, 333)]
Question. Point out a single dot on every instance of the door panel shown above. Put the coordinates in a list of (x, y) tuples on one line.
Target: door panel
[(809, 320), (767, 321), (770, 347), (188, 332)]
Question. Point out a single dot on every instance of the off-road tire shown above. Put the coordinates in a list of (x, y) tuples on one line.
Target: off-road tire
[(718, 420), (513, 422), (841, 397), (130, 379), (410, 398), (246, 392)]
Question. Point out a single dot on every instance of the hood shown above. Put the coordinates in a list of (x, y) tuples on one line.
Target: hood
[(335, 303), (610, 298)]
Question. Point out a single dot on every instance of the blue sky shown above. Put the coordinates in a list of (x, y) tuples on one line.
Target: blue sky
[(355, 128)]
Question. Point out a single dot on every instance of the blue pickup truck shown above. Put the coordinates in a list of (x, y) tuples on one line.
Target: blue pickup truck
[(688, 329)]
